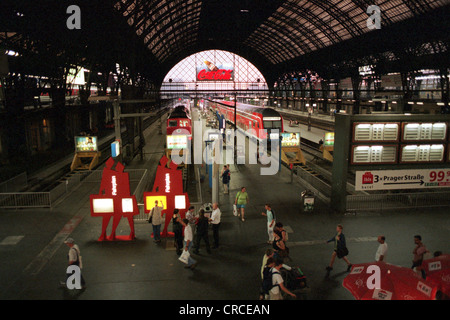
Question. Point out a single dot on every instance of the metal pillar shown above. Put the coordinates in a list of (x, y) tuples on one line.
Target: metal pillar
[(342, 140)]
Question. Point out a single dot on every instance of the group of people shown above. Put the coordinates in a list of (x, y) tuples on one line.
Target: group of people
[(196, 229), (274, 259)]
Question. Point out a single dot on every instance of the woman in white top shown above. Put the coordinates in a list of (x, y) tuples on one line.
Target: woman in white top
[(382, 249), (188, 241)]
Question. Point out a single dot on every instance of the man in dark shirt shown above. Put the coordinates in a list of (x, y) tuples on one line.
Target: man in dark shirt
[(202, 232)]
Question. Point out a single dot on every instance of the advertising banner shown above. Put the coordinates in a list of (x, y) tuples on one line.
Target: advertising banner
[(290, 139), (402, 179), (86, 144), (328, 140), (210, 72)]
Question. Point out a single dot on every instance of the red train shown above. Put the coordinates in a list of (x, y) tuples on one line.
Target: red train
[(179, 121), (249, 117)]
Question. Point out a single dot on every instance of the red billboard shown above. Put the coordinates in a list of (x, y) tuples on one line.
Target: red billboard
[(210, 72)]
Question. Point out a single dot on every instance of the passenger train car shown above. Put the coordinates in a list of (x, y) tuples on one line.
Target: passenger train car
[(250, 117), (179, 118)]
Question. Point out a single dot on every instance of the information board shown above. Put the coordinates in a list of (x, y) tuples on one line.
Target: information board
[(402, 179), (177, 142)]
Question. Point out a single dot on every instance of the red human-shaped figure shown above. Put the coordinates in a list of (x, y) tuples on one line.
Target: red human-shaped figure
[(169, 181), (122, 191), (115, 185)]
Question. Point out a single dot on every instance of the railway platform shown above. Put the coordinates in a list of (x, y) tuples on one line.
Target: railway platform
[(35, 257)]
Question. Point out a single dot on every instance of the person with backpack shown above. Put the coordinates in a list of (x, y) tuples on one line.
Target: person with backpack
[(270, 221), (74, 257), (273, 282)]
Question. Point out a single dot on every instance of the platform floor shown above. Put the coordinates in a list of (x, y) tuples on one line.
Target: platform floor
[(34, 258)]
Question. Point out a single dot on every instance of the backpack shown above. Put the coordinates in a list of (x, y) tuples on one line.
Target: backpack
[(267, 283), (294, 279)]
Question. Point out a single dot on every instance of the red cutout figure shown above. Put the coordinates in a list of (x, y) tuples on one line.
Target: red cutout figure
[(115, 185), (169, 182)]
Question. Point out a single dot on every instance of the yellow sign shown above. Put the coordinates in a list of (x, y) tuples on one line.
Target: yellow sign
[(150, 202)]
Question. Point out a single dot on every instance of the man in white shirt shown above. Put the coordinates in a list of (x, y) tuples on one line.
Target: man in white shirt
[(382, 249), (215, 221), (188, 242), (270, 222), (277, 282)]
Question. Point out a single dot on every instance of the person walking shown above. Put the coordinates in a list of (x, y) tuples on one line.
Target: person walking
[(282, 233), (191, 216), (74, 258), (279, 247), (270, 253), (270, 221), (278, 283), (241, 201), (279, 231), (202, 232), (340, 249), (215, 222), (188, 240), (155, 216), (226, 179), (177, 228), (418, 253), (380, 255)]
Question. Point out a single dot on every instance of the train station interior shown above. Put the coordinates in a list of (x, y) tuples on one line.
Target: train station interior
[(326, 118)]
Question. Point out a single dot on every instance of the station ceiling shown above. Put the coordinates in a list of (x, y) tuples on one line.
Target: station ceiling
[(151, 36)]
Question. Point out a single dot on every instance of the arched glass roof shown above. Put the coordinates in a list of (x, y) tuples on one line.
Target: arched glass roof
[(184, 74)]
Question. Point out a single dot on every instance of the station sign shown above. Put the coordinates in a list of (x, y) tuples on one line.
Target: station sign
[(177, 141), (402, 179), (115, 149)]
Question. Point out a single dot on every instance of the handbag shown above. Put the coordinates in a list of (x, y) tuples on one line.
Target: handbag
[(235, 213), (150, 216), (184, 257)]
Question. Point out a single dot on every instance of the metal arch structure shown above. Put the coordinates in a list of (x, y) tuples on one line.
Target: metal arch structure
[(148, 37)]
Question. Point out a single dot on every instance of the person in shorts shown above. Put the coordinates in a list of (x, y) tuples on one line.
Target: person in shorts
[(241, 201)]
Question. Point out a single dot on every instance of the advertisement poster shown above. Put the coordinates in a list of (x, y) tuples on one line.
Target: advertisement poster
[(290, 139), (177, 142), (328, 140), (402, 179), (86, 144), (211, 72)]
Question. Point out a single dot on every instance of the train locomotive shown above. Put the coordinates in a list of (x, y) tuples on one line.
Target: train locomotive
[(256, 121), (179, 121)]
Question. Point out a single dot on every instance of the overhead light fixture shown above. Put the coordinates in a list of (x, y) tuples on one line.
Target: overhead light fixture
[(245, 10)]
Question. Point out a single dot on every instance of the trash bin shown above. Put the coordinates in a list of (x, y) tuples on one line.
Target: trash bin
[(308, 200)]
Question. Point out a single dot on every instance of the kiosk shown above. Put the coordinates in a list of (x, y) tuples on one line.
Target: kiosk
[(86, 153)]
